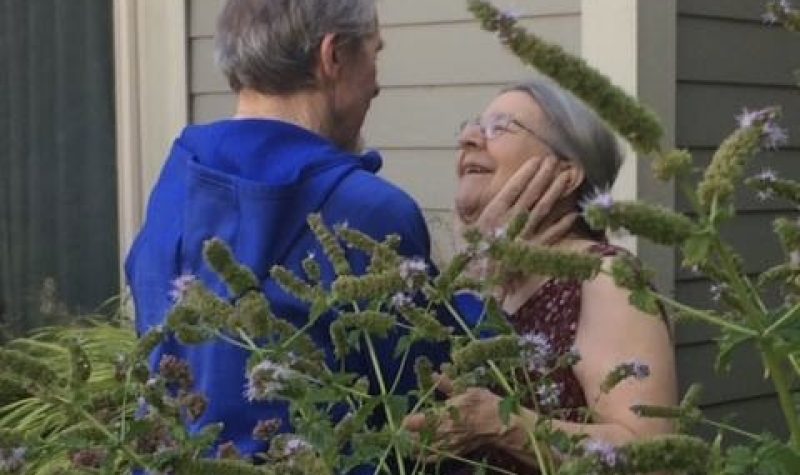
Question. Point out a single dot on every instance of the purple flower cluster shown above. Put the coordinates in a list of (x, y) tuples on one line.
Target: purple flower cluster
[(266, 379), (638, 370), (767, 175), (400, 300), (413, 271), (604, 451), (142, 409), (537, 352), (599, 199), (89, 458), (717, 291), (783, 7), (180, 287), (411, 267), (548, 394), (12, 460), (772, 135), (265, 429), (295, 446)]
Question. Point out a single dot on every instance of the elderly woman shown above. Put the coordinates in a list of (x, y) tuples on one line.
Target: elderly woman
[(581, 155)]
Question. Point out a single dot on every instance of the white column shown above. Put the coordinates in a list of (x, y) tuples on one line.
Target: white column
[(634, 42), (151, 99)]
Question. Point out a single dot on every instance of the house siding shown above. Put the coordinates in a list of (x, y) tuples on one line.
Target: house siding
[(728, 60)]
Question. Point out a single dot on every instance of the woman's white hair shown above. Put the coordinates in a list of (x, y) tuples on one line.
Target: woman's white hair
[(576, 133)]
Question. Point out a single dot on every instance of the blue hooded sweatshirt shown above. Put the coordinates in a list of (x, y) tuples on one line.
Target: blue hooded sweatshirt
[(253, 184)]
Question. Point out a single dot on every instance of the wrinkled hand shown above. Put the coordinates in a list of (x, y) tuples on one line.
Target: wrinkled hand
[(470, 420), (534, 189)]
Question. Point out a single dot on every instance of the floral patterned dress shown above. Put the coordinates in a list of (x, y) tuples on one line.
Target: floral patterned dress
[(553, 311)]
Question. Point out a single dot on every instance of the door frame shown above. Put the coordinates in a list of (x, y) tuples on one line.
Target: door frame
[(152, 90)]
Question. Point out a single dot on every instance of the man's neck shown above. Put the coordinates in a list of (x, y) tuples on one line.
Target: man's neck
[(306, 109)]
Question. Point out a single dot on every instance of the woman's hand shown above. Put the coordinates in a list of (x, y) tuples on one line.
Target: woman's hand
[(470, 420), (534, 189)]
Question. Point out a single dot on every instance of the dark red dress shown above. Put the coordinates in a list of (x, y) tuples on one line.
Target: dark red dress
[(552, 311)]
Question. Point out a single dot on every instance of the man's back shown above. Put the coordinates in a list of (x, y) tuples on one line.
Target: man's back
[(253, 183)]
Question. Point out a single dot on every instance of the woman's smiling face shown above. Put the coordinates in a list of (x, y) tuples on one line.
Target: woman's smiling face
[(493, 147)]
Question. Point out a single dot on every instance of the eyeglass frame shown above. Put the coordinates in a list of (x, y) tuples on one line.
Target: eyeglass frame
[(503, 121)]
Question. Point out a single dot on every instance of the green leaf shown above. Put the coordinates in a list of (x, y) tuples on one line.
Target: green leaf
[(696, 249), (728, 342), (397, 405), (508, 406), (495, 320), (775, 458), (403, 344), (644, 300)]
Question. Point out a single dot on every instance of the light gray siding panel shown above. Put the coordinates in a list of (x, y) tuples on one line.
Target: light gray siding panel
[(438, 11), (203, 17), (461, 53), (706, 112), (203, 13), (210, 107), (423, 117), (204, 76), (451, 53), (735, 52), (428, 175)]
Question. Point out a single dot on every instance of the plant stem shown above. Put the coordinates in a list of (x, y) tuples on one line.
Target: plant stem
[(467, 461), (132, 456), (402, 368), (795, 311), (382, 385), (795, 364), (729, 428), (540, 460), (779, 380), (705, 316), (772, 361)]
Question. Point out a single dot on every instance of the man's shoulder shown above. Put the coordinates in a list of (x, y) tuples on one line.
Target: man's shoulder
[(373, 205), (372, 192)]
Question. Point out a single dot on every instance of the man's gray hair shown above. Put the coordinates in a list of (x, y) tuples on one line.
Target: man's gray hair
[(575, 132), (271, 45)]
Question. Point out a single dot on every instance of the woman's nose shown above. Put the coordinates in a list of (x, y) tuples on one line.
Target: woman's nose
[(471, 136)]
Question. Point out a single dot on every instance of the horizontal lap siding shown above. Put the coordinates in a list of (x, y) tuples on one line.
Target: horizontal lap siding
[(728, 60)]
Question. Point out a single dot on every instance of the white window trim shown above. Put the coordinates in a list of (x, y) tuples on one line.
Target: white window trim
[(152, 90)]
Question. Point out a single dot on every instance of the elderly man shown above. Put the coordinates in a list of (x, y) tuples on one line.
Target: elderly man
[(305, 74)]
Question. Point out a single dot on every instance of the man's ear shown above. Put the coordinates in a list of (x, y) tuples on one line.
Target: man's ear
[(330, 62), (575, 177)]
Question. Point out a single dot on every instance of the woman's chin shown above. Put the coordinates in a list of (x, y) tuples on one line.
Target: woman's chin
[(469, 206)]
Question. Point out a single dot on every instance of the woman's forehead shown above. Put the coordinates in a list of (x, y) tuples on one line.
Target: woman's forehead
[(518, 104)]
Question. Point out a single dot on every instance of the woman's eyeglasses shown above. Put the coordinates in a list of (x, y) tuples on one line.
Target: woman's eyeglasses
[(496, 125)]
